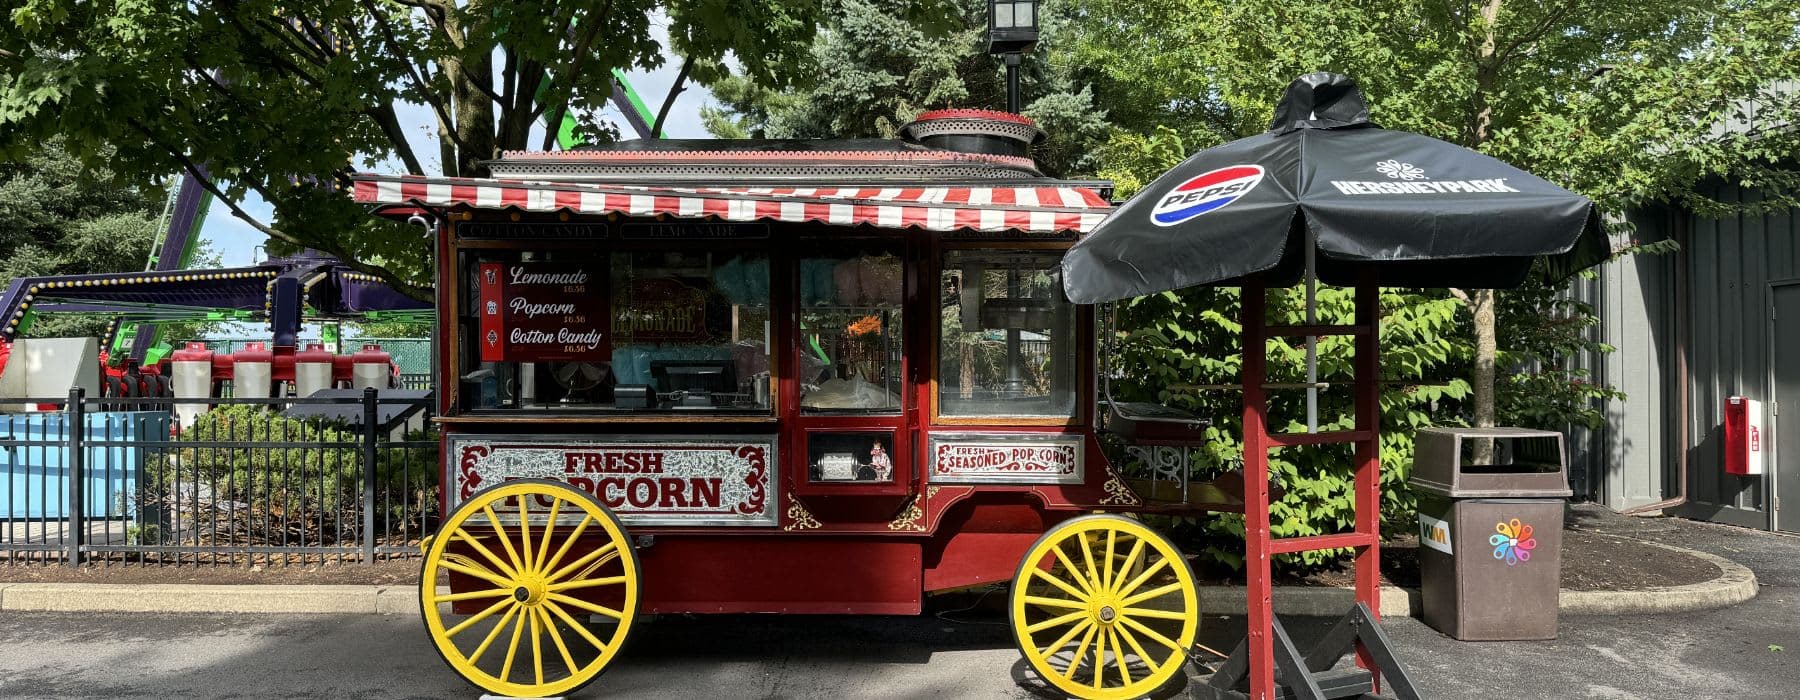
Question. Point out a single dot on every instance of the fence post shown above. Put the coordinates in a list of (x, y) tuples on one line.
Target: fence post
[(75, 421), (371, 427)]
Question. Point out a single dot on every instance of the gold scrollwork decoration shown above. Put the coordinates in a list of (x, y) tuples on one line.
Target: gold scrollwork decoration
[(799, 518), (1117, 493), (909, 518)]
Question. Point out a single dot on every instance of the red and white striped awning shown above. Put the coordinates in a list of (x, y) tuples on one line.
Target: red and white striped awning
[(1053, 209)]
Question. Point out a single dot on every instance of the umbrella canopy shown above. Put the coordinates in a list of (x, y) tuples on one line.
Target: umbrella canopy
[(1417, 211)]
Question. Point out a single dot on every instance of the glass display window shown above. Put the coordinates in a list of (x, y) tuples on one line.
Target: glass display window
[(665, 331), (851, 457), (850, 333), (1007, 345)]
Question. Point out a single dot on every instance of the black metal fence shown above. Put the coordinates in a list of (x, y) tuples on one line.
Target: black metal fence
[(216, 481)]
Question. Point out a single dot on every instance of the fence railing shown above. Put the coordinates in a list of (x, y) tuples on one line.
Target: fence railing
[(217, 481)]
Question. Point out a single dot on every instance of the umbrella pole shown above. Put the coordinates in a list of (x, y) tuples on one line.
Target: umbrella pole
[(1312, 341)]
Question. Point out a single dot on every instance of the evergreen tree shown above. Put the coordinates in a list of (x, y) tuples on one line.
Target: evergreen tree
[(874, 69), (58, 217)]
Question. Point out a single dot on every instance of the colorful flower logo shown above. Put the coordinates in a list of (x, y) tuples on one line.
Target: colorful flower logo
[(1514, 542)]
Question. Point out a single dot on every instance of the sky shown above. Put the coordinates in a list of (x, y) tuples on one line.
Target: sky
[(239, 245)]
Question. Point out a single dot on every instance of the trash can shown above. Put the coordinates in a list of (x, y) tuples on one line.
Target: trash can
[(1490, 531)]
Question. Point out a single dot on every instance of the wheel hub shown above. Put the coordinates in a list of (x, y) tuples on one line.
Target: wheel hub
[(1107, 614), (530, 592)]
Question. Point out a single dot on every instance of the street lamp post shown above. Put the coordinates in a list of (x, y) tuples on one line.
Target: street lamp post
[(1012, 30)]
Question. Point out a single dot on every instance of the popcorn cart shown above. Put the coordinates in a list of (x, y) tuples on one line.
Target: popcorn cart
[(835, 376), (804, 377)]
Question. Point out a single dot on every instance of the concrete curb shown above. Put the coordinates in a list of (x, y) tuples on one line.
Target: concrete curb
[(1735, 584), (203, 598)]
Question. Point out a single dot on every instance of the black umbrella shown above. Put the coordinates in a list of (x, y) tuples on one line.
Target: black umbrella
[(1417, 211)]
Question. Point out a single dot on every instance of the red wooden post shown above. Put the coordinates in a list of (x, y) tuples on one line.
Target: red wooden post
[(1368, 454), (1260, 646)]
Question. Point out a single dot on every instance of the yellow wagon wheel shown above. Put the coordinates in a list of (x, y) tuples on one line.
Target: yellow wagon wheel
[(524, 544), (1103, 607)]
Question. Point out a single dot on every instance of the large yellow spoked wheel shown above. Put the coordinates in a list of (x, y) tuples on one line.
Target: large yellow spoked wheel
[(543, 558), (1103, 607)]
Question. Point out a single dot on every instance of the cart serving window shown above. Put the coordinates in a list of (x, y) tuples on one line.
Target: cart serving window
[(630, 331)]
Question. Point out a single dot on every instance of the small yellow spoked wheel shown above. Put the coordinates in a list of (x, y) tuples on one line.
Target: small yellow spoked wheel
[(534, 588), (1103, 607)]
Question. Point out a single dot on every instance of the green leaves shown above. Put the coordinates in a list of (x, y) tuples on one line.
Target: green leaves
[(282, 98)]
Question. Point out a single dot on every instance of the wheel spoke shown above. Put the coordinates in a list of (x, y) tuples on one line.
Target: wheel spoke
[(1119, 656), (579, 628), (1080, 651), (549, 528), (472, 595), (1087, 554), (1056, 621), (1143, 656), (492, 635), (537, 648), (1100, 658), (477, 617), (1071, 590), (1157, 592), (1055, 602), (494, 522), (1130, 560), (590, 607), (525, 540), (1067, 637), (487, 553), (586, 583), (512, 650), (470, 568), (1106, 571), (1154, 635), (1154, 613), (568, 543), (556, 638), (603, 550), (1135, 583), (1080, 580)]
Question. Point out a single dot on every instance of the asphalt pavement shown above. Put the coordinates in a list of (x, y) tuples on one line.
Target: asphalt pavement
[(1710, 654)]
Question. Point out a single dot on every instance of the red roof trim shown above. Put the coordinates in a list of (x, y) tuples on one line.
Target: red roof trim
[(974, 114), (822, 157)]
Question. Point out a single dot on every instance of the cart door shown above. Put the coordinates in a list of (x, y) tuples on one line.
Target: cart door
[(848, 400)]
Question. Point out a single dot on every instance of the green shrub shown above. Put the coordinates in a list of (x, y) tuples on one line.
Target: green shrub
[(226, 473)]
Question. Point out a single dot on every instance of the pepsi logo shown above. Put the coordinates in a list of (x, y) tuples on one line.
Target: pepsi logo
[(1206, 192)]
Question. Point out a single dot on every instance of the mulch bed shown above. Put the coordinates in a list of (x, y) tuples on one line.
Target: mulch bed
[(1591, 562)]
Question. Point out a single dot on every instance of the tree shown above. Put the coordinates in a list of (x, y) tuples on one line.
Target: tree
[(877, 68), (283, 98), (60, 218), (1624, 102)]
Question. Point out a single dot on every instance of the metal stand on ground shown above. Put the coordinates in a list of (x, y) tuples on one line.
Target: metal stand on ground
[(1267, 647)]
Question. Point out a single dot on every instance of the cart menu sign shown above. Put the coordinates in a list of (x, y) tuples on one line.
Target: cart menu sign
[(542, 311), (673, 481)]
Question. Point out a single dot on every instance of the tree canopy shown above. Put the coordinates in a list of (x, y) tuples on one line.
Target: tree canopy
[(1628, 103), (283, 98)]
